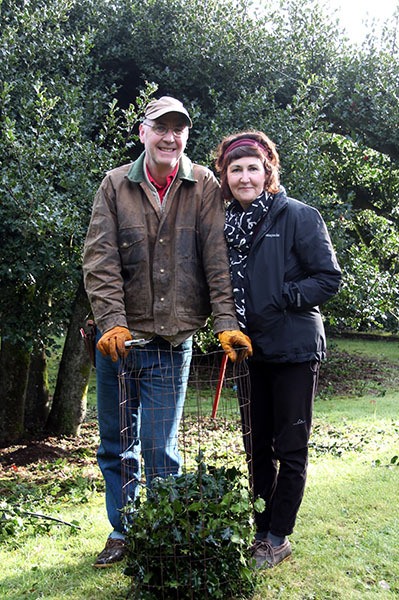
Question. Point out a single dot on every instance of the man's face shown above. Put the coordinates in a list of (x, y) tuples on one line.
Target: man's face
[(164, 147)]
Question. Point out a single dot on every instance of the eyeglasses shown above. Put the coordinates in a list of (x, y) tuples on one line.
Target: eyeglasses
[(162, 130)]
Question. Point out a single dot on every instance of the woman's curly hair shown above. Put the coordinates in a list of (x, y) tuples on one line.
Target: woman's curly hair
[(264, 149)]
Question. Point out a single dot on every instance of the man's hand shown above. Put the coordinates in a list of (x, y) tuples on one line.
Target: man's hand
[(113, 343), (235, 339)]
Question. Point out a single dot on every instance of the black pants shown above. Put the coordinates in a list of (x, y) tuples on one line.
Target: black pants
[(279, 418)]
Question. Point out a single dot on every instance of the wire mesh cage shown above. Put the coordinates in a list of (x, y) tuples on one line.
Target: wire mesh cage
[(186, 456)]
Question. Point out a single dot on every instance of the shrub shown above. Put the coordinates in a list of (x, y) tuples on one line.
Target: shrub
[(190, 537)]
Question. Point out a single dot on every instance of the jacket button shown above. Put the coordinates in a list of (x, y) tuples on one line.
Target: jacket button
[(162, 299), (162, 270), (161, 240)]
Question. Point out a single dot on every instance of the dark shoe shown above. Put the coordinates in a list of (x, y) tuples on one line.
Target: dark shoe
[(114, 551), (268, 556)]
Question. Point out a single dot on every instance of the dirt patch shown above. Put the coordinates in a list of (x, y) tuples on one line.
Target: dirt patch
[(29, 454), (345, 374)]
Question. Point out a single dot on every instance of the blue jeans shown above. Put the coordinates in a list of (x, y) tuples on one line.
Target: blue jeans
[(152, 384)]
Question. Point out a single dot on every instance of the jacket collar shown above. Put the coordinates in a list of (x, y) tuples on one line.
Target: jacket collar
[(280, 202), (281, 196), (136, 171)]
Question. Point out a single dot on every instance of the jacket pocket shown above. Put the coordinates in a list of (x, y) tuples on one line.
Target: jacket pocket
[(134, 253), (186, 243), (132, 244), (192, 294)]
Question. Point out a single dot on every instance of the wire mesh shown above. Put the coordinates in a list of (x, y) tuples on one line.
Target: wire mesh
[(211, 441)]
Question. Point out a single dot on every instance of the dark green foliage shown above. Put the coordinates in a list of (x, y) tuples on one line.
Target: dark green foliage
[(60, 130), (46, 156), (190, 537)]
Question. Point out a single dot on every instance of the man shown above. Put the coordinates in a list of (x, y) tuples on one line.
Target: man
[(155, 267)]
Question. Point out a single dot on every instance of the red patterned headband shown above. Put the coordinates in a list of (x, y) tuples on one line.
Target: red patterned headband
[(244, 142)]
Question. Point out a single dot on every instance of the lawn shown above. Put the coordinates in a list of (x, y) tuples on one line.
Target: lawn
[(346, 542)]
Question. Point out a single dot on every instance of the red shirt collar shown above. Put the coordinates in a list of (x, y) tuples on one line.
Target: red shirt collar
[(161, 189)]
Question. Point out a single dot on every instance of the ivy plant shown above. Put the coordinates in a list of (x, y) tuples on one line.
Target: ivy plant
[(189, 537)]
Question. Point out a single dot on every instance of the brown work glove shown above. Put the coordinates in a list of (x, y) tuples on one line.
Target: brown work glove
[(113, 342), (230, 340)]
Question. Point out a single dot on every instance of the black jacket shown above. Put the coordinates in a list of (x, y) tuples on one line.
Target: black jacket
[(291, 270)]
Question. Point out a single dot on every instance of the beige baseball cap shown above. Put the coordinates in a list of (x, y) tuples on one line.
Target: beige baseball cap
[(164, 105)]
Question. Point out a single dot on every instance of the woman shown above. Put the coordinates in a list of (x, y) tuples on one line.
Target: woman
[(283, 267)]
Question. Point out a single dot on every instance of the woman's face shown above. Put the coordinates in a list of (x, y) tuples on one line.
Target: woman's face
[(246, 178)]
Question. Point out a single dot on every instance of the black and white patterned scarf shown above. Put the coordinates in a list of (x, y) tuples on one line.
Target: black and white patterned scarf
[(239, 231)]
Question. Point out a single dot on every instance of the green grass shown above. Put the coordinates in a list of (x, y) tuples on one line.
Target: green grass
[(346, 541), (59, 565)]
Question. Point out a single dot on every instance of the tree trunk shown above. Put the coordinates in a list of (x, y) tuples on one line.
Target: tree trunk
[(69, 403), (14, 369), (37, 404)]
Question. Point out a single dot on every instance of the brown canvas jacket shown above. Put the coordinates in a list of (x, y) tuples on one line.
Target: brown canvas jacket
[(158, 270)]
